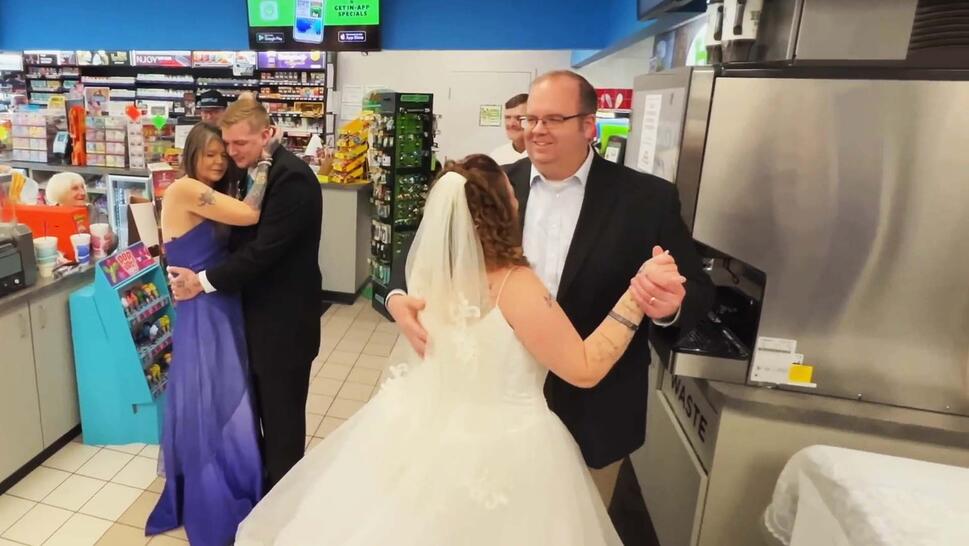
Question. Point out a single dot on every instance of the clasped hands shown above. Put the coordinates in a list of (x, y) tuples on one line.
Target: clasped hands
[(658, 286)]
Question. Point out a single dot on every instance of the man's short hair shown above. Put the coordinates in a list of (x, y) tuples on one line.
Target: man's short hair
[(516, 101), (246, 108), (588, 100)]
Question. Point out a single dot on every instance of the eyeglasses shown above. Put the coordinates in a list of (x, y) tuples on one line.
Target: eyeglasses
[(549, 121)]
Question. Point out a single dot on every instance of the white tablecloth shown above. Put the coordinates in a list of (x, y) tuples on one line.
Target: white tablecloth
[(832, 497)]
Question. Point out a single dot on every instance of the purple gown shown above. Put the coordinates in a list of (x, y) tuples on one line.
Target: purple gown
[(210, 439)]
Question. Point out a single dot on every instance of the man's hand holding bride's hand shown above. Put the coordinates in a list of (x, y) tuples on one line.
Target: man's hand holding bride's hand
[(184, 283), (658, 287), (404, 309)]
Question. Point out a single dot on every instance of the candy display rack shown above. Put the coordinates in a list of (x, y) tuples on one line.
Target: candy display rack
[(122, 330)]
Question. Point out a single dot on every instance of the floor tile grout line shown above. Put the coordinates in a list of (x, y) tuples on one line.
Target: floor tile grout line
[(12, 525), (116, 450), (48, 494), (69, 519), (31, 510), (78, 511)]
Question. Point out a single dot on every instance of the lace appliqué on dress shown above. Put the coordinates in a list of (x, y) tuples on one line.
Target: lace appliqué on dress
[(396, 372), (464, 343), (485, 492), (461, 311)]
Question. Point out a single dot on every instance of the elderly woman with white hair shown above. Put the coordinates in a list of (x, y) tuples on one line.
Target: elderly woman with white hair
[(67, 189)]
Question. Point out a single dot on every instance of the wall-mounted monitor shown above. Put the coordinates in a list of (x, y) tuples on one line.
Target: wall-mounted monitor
[(328, 25), (650, 9)]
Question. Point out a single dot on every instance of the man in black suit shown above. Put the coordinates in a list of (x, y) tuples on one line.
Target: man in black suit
[(588, 226), (275, 266)]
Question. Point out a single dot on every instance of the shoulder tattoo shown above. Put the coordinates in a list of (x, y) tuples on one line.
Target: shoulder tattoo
[(207, 197)]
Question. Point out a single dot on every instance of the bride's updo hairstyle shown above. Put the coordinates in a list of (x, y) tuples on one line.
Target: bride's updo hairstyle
[(494, 216)]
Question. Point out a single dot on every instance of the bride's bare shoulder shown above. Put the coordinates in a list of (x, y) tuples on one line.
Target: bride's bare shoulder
[(520, 287)]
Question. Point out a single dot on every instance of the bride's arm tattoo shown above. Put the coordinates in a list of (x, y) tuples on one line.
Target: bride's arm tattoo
[(611, 339), (629, 305), (605, 350)]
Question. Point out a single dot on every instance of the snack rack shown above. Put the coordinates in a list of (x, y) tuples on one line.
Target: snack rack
[(401, 147), (122, 330)]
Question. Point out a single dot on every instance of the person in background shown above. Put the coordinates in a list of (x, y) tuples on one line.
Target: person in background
[(588, 225), (323, 157), (66, 189), (70, 190), (514, 149), (211, 106)]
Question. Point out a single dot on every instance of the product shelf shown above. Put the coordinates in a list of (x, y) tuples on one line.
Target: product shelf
[(227, 82), (292, 98), (146, 311), (159, 388), (297, 115), (278, 83), (120, 390), (149, 353)]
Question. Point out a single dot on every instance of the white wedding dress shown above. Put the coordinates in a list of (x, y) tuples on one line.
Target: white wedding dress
[(458, 449)]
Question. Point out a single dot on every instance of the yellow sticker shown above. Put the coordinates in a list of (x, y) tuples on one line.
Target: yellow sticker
[(800, 373)]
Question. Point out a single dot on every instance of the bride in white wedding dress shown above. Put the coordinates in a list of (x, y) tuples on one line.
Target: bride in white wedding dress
[(459, 448)]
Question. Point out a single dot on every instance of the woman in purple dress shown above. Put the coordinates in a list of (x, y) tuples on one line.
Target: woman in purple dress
[(210, 437)]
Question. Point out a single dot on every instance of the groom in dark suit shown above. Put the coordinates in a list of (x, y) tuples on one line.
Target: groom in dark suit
[(275, 265), (589, 225)]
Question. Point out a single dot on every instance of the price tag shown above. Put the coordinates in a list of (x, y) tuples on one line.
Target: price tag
[(776, 362)]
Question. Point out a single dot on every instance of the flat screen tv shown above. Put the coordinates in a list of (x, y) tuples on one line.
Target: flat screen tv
[(650, 9), (309, 25)]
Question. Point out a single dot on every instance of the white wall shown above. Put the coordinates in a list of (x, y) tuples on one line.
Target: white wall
[(621, 68), (434, 72)]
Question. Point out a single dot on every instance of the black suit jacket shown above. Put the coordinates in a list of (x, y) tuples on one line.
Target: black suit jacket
[(624, 214), (275, 265)]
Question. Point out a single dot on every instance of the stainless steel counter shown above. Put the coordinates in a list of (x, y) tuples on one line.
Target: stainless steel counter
[(707, 440), (44, 287), (843, 414)]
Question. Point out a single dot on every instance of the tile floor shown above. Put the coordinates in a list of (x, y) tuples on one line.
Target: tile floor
[(101, 495)]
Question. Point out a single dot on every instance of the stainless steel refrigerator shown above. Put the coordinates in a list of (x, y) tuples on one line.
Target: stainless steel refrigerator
[(824, 174)]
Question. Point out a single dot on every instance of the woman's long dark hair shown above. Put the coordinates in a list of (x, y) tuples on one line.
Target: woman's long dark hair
[(195, 144)]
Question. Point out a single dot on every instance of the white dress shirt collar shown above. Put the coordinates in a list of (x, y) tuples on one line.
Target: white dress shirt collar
[(551, 217), (582, 175)]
